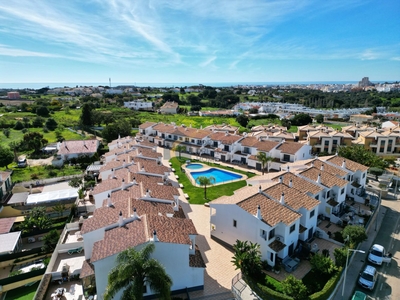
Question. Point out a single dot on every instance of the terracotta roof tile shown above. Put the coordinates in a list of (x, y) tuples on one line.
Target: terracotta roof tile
[(300, 184), (87, 269), (146, 125), (272, 211), (289, 147), (334, 170), (327, 179), (292, 197), (266, 146), (225, 138), (350, 165), (82, 147)]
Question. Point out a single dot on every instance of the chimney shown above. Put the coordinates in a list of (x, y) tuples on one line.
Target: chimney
[(123, 185), (154, 149), (134, 180), (319, 178), (312, 164), (109, 204), (258, 215), (135, 215), (259, 189), (120, 220), (290, 183), (124, 164), (113, 174), (155, 238), (322, 167), (143, 170), (147, 193), (280, 179), (344, 164), (287, 168), (282, 198), (176, 207)]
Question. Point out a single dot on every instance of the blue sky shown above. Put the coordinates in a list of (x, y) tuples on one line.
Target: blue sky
[(199, 41)]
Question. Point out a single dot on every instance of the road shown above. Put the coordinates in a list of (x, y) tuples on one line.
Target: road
[(388, 284)]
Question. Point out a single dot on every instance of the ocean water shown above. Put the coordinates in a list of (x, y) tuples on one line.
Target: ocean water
[(38, 85)]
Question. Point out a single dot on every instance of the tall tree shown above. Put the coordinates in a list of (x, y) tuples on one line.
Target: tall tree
[(86, 119), (50, 240), (243, 120), (133, 271), (264, 160), (205, 181), (6, 156), (34, 141), (361, 155)]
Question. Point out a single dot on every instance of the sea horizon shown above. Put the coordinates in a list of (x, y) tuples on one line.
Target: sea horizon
[(38, 85)]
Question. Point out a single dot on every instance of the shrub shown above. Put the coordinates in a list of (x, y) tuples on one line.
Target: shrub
[(327, 289), (34, 176)]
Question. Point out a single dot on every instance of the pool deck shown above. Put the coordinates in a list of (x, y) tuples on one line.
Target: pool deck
[(205, 168)]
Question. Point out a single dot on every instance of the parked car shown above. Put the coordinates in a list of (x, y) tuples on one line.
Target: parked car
[(359, 296), (368, 277), (377, 255), (31, 240), (22, 163)]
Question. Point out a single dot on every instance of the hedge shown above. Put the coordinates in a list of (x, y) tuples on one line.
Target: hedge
[(265, 292), (326, 292), (20, 254), (22, 276)]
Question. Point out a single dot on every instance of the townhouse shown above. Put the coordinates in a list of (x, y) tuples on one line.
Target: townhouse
[(225, 146), (136, 204), (275, 216), (73, 149)]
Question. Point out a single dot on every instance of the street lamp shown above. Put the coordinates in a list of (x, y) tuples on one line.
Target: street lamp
[(345, 270)]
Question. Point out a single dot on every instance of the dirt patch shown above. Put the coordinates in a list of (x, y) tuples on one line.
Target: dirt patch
[(40, 162)]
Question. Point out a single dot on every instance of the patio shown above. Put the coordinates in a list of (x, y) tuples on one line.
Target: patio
[(72, 291), (304, 266)]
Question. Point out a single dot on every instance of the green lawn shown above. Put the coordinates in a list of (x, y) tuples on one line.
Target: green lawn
[(22, 293), (41, 172), (196, 194)]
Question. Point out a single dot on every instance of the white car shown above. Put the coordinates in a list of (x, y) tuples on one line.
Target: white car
[(368, 278), (377, 255)]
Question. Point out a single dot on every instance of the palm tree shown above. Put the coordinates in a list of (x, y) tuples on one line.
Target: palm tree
[(264, 160), (204, 181), (247, 257), (134, 270), (179, 148)]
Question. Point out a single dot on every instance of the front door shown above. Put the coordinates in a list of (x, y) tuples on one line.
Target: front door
[(212, 153), (258, 166), (291, 249), (243, 160), (310, 233), (222, 157)]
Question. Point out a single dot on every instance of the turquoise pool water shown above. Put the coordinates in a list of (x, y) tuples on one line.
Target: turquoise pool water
[(194, 166), (219, 175)]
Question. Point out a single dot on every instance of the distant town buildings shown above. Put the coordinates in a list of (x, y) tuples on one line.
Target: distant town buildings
[(13, 95), (365, 82)]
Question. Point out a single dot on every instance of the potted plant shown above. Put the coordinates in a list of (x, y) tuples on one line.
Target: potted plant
[(277, 268)]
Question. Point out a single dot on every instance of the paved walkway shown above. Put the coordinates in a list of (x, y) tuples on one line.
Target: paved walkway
[(357, 261)]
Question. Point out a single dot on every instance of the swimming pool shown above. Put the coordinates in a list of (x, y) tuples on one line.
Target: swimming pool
[(194, 166), (219, 175)]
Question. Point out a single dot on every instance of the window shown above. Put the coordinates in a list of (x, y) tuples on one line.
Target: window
[(352, 191), (342, 192), (312, 213), (364, 175), (234, 223), (246, 150), (263, 234), (292, 228), (215, 144), (335, 142), (286, 157), (317, 197), (326, 143), (328, 194), (226, 148), (271, 234)]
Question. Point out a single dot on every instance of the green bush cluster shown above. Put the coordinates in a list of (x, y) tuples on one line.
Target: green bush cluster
[(328, 288)]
